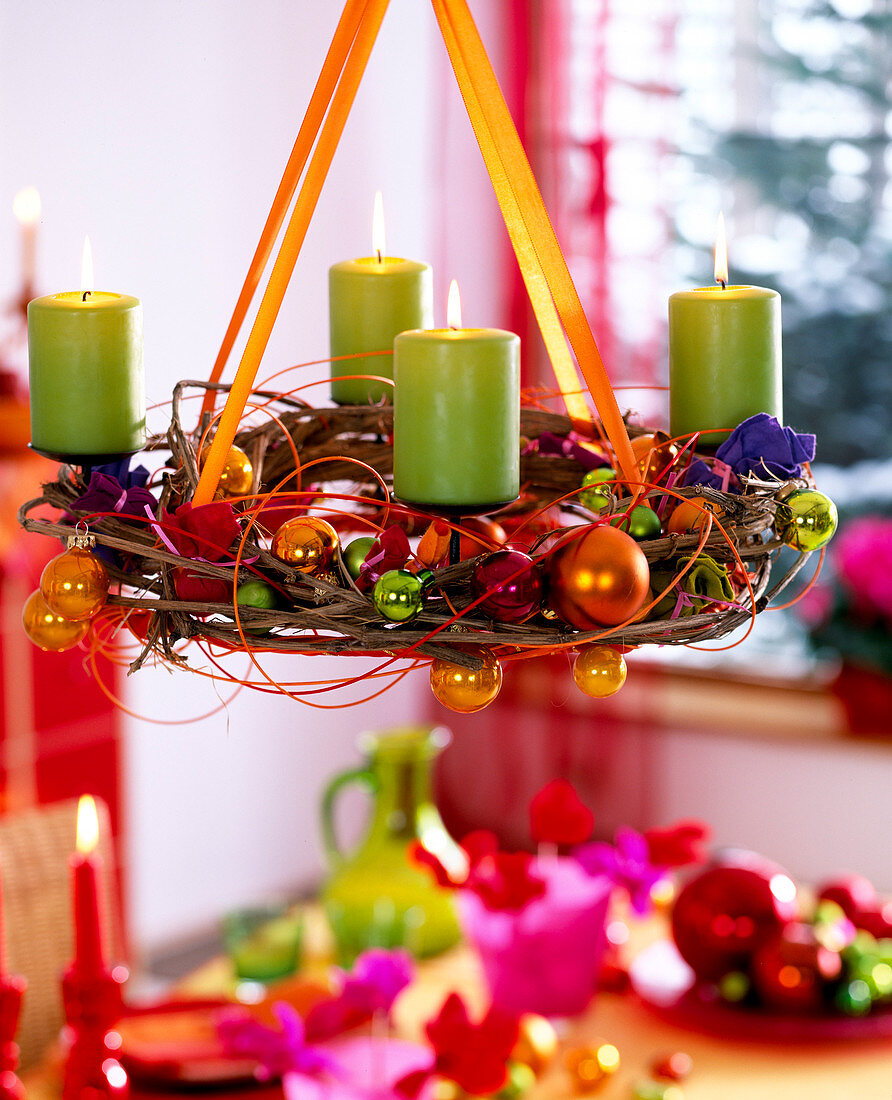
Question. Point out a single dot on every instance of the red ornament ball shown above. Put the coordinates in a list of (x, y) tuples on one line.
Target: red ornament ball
[(791, 971), (597, 578), (725, 914), (512, 584), (854, 894)]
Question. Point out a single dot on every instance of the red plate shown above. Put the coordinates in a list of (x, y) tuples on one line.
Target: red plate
[(665, 984)]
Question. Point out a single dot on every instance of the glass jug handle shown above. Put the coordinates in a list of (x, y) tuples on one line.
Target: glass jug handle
[(334, 788)]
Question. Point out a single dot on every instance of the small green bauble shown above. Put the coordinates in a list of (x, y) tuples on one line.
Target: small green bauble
[(642, 523), (520, 1079), (854, 998), (806, 520), (397, 595), (256, 593), (590, 497), (355, 554)]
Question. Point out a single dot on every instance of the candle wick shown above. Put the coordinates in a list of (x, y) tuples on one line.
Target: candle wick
[(722, 281), (380, 257), (84, 296)]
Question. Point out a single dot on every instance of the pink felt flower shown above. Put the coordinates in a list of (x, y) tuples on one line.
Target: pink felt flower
[(863, 555), (377, 978), (558, 815)]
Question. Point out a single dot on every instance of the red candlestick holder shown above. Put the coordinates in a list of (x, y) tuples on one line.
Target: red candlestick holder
[(12, 987), (93, 1004)]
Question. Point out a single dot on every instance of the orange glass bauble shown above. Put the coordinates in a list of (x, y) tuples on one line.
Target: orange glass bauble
[(654, 454), (691, 514), (306, 543), (237, 475), (597, 578), (599, 671), (74, 584), (465, 689), (50, 631), (480, 535)]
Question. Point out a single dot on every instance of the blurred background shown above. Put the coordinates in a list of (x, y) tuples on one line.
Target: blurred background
[(162, 130)]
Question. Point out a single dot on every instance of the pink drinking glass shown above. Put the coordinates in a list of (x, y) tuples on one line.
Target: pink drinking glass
[(546, 956)]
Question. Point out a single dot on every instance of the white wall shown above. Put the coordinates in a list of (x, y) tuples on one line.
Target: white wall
[(162, 130)]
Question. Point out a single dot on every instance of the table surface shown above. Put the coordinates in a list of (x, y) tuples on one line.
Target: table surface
[(723, 1068)]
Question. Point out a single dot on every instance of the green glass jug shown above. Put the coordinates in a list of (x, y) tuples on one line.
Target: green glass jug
[(375, 895)]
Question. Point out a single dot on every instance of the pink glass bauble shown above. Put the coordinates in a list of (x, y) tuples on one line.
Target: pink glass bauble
[(513, 583)]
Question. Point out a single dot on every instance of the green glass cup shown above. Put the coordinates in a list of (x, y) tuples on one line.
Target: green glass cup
[(263, 942)]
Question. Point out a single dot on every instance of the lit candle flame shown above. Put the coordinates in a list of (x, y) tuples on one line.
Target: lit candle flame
[(378, 228), (453, 306), (26, 206), (721, 253), (87, 268), (87, 825)]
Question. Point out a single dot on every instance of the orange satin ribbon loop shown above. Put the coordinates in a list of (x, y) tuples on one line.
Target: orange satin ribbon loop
[(526, 219), (292, 242), (332, 68)]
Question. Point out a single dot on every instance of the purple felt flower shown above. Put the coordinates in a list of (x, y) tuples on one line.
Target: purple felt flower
[(277, 1051), (550, 444), (759, 446), (106, 493), (627, 863)]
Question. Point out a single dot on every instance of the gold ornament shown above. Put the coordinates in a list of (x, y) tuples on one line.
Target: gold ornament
[(537, 1042), (599, 671), (75, 583), (237, 476), (806, 520), (51, 632), (306, 543), (466, 690), (591, 1066)]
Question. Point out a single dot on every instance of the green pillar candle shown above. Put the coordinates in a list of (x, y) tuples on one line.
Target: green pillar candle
[(86, 374), (724, 358), (456, 429), (370, 301)]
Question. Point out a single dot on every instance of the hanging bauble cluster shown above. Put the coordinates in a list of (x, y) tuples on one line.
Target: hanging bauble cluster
[(73, 589)]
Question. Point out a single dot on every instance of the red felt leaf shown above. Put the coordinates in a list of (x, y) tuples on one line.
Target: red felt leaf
[(558, 815), (204, 532), (505, 880), (479, 843), (194, 587), (390, 550), (425, 858), (474, 1056), (679, 844)]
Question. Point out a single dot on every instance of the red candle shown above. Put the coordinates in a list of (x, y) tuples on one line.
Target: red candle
[(86, 868)]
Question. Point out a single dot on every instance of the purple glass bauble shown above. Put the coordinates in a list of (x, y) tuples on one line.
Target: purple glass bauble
[(513, 582)]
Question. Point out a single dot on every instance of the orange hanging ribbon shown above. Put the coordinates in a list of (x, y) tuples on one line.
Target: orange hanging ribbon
[(320, 100), (529, 227), (292, 241)]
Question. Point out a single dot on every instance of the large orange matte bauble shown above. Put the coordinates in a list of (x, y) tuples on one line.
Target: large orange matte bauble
[(48, 630), (74, 584), (306, 543), (599, 578)]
